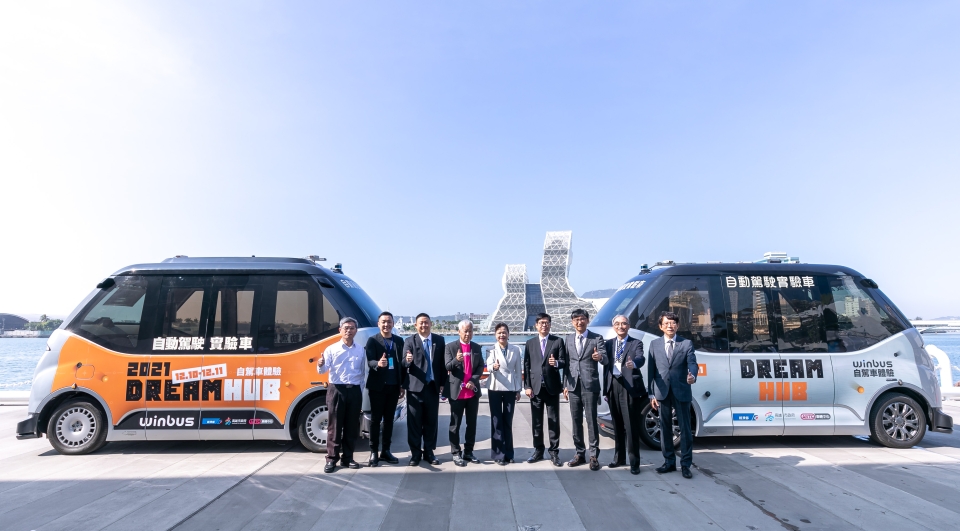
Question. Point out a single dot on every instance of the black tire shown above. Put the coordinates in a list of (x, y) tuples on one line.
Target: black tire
[(77, 427), (650, 434), (312, 425), (897, 421)]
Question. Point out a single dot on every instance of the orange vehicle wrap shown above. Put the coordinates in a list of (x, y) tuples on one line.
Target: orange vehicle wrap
[(130, 382)]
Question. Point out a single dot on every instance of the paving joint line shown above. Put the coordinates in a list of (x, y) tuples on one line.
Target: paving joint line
[(235, 485)]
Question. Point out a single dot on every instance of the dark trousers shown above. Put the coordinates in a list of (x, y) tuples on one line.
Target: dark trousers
[(501, 423), (552, 403), (584, 402), (422, 410), (383, 407), (666, 431), (458, 409), (627, 422), (344, 407)]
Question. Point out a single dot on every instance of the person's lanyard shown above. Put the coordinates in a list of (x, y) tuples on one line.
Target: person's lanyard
[(388, 345)]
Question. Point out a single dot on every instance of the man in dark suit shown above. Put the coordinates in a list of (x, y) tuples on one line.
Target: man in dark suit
[(671, 372), (585, 350), (424, 377), (626, 395), (545, 358), (464, 360), (383, 387)]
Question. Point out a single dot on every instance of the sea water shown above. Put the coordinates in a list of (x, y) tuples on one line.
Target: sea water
[(19, 356)]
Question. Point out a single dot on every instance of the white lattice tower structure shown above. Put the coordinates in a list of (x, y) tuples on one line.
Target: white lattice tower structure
[(558, 297), (512, 308)]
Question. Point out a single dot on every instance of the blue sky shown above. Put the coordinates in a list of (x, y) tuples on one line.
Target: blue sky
[(426, 144)]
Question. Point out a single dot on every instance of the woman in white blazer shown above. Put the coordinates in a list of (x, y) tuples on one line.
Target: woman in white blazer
[(505, 382)]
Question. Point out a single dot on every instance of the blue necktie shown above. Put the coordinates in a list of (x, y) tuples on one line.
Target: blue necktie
[(426, 353)]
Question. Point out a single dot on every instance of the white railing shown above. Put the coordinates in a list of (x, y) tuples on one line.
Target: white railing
[(947, 388)]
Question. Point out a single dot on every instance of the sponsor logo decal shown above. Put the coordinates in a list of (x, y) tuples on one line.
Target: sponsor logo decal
[(210, 421), (815, 416), (873, 369), (741, 417), (255, 421), (701, 369), (168, 421), (769, 416)]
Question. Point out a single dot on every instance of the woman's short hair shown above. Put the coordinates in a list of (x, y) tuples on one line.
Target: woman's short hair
[(501, 325)]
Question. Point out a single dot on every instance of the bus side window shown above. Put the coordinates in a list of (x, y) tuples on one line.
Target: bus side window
[(234, 301), (113, 318), (749, 319), (801, 320), (696, 301), (294, 314), (853, 319)]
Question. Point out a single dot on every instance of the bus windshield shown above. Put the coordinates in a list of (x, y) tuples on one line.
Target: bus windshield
[(621, 302)]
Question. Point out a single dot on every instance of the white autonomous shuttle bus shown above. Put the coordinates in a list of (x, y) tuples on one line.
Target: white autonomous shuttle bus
[(787, 349)]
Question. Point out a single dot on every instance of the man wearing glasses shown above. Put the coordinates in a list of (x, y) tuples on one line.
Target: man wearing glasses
[(671, 371)]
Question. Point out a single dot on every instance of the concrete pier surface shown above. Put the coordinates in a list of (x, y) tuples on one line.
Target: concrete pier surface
[(758, 483)]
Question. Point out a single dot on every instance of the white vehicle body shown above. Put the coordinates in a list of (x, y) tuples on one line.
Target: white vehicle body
[(789, 349)]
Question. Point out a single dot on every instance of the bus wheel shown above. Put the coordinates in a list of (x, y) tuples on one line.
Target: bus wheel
[(897, 421), (312, 425), (76, 427), (650, 434)]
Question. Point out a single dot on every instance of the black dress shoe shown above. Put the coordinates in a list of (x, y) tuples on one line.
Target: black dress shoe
[(388, 457), (414, 461), (432, 459), (577, 461), (664, 468), (685, 471), (507, 461), (555, 459), (468, 456), (330, 467), (374, 460), (500, 462), (594, 464), (457, 460), (352, 464), (616, 465), (537, 456), (635, 470)]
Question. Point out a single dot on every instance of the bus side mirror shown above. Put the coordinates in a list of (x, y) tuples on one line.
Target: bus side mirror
[(106, 283)]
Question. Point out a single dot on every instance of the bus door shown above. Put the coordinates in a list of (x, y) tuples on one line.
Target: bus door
[(172, 386), (294, 316), (231, 385), (698, 303), (756, 369), (808, 388)]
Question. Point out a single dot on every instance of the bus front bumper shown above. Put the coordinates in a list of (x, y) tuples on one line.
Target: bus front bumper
[(941, 422), (27, 429)]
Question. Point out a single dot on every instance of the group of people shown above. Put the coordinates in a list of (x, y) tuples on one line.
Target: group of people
[(581, 366)]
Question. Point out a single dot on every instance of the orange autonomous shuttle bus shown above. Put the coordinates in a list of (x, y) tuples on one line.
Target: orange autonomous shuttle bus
[(196, 348)]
